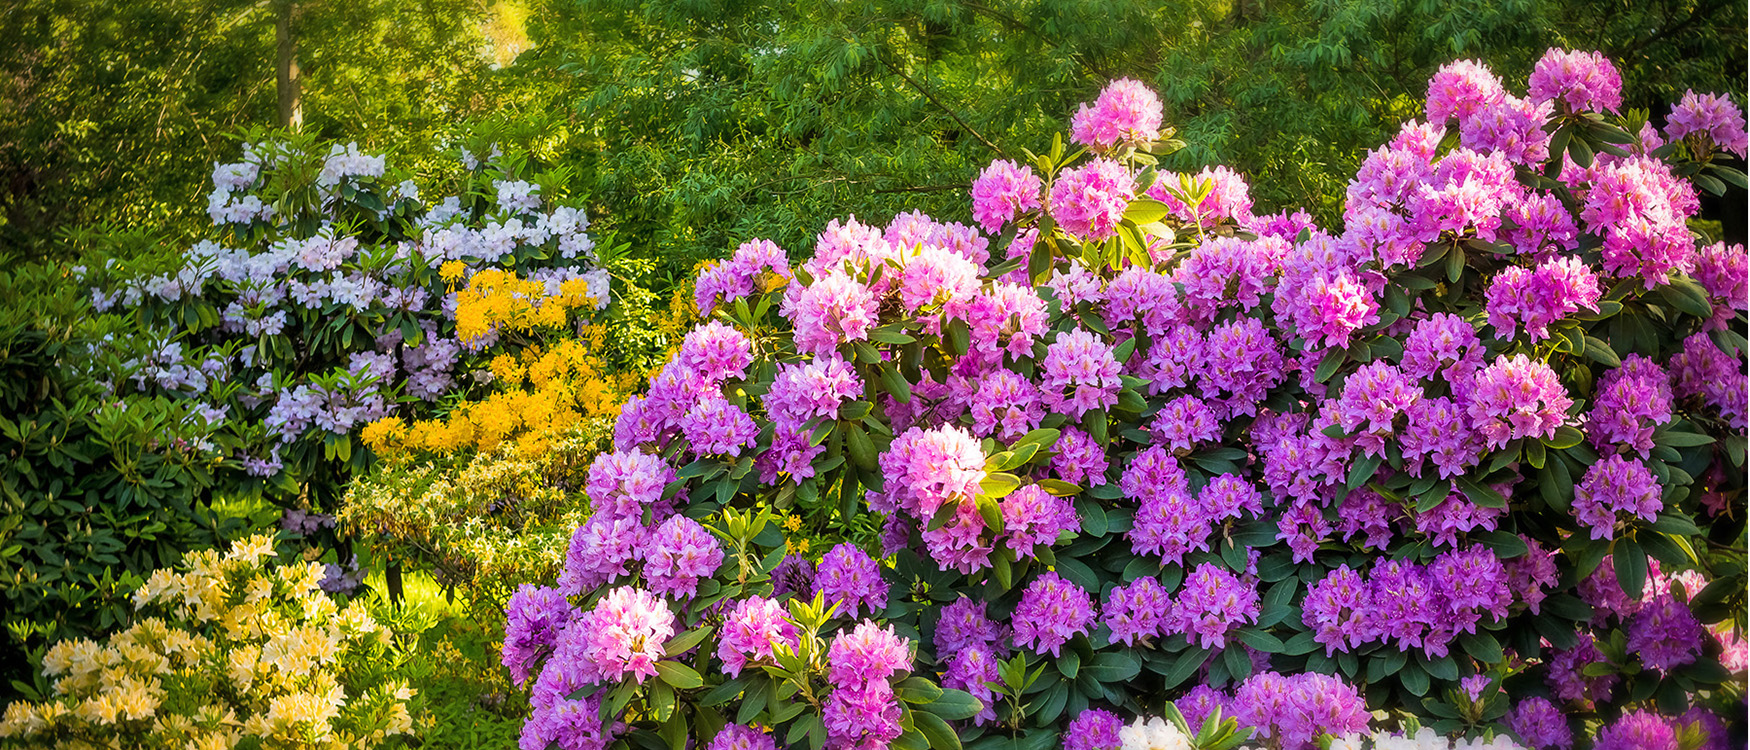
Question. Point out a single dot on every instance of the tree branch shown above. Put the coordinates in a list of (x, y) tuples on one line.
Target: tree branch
[(938, 103)]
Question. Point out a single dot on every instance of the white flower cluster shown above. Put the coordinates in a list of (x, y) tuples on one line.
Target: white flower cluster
[(1153, 734), (1423, 739)]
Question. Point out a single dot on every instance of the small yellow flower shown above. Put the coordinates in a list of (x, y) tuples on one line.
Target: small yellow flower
[(451, 271)]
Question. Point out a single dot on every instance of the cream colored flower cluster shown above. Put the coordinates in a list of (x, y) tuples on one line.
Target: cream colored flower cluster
[(246, 652)]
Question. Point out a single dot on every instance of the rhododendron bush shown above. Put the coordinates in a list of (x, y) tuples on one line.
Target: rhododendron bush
[(1154, 469)]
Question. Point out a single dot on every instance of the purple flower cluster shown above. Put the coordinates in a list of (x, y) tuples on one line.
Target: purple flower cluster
[(1212, 603), (533, 620), (1612, 487), (1089, 200), (752, 630), (1002, 192), (740, 737), (1711, 116), (1295, 710), (851, 579), (1093, 729), (862, 710), (1052, 610), (1581, 81), (1517, 397), (1126, 114), (1537, 297), (1409, 605)]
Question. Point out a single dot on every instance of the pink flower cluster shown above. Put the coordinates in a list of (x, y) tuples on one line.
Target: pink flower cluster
[(754, 264), (862, 710), (1126, 114)]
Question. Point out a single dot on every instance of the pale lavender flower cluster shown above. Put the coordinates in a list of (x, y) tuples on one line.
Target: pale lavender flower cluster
[(754, 263), (834, 310), (1517, 397), (680, 552), (1080, 374), (1630, 402), (533, 620), (1641, 208), (1212, 603), (1408, 605), (742, 737), (1093, 729), (1581, 81), (1702, 371)]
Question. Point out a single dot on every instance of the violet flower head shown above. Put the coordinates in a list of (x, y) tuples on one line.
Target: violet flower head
[(741, 737), (971, 670), (1212, 603), (1052, 610), (1461, 88), (1296, 710), (963, 624), (1541, 725), (1666, 634), (680, 553), (1537, 297), (533, 619), (1517, 397), (1713, 116), (1613, 487), (835, 309), (1638, 730), (1127, 113), (1567, 676), (1335, 608), (1444, 345), (1199, 702), (1629, 403), (751, 631), (715, 427), (1718, 379), (716, 352), (1093, 729), (1080, 374), (1089, 200), (1080, 459), (601, 551), (1136, 610), (851, 579), (1003, 191), (1005, 406), (867, 653), (1032, 516), (754, 264), (1581, 81)]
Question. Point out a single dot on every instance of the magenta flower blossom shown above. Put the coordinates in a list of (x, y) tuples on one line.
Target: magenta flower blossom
[(1088, 201), (1228, 272), (812, 390), (1212, 603), (1329, 308), (601, 551), (716, 427), (963, 624), (1335, 608), (533, 619), (1242, 362), (1665, 634), (624, 483), (1127, 113), (1137, 610), (1052, 610), (1093, 729), (934, 278), (851, 579), (834, 310), (1199, 702), (1581, 81), (1532, 574), (1638, 730), (1443, 344), (1536, 298), (624, 635), (680, 552), (1516, 397), (1080, 374), (1461, 88), (1169, 523), (1295, 710), (868, 653), (971, 670), (1005, 318), (1373, 399), (1368, 514), (1003, 191), (929, 468), (1512, 128), (1541, 725), (1032, 516), (1710, 115), (716, 351), (741, 737), (1629, 403), (571, 724), (1456, 515), (751, 630), (1724, 271), (1640, 208), (1612, 487), (1184, 422), (1139, 295), (1437, 430), (1542, 226), (743, 274), (1465, 196), (1079, 460), (1005, 405)]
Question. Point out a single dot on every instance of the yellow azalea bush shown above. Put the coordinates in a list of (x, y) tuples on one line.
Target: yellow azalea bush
[(486, 521), (498, 301), (236, 651)]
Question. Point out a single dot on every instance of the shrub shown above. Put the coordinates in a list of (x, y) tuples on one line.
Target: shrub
[(1147, 445), (236, 648)]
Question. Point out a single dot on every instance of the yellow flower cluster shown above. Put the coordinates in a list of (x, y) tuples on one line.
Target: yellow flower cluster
[(251, 654), (497, 300), (543, 393)]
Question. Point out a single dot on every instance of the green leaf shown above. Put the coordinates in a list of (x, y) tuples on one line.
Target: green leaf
[(1687, 296), (1483, 646), (1328, 366), (1566, 437), (680, 644), (679, 675), (918, 690), (1682, 439), (1600, 352), (935, 730), (1070, 664), (1481, 494), (1631, 567), (1145, 210), (1113, 667), (955, 705), (1185, 664)]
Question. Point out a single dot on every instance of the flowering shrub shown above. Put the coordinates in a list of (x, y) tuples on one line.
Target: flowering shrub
[(1477, 454), (235, 649), (324, 303)]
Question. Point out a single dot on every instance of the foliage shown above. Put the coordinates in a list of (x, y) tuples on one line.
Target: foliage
[(1147, 446), (724, 121), (95, 493), (239, 647)]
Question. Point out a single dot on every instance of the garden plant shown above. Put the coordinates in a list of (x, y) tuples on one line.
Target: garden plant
[(1152, 470)]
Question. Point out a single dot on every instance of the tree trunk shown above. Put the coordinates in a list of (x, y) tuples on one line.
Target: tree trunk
[(291, 105)]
